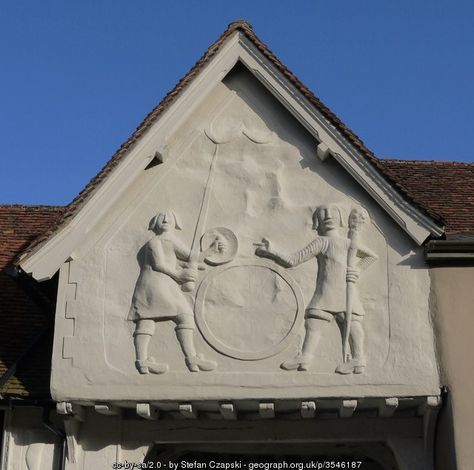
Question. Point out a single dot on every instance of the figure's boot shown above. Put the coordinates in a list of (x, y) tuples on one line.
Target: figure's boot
[(300, 362), (360, 368), (358, 362), (145, 364), (354, 366), (194, 362), (197, 363), (150, 366), (357, 345)]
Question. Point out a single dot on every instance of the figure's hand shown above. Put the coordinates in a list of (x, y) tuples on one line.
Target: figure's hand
[(352, 274), (220, 244), (188, 275), (263, 248)]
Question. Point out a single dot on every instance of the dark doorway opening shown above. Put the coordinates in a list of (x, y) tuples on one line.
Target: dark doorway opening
[(373, 456)]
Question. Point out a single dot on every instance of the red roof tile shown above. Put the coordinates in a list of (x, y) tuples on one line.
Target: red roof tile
[(445, 187), (21, 318), (20, 224)]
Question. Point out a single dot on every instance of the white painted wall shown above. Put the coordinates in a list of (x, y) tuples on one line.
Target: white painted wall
[(260, 190)]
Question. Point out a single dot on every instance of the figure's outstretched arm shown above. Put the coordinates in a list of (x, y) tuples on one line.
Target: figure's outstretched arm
[(265, 250)]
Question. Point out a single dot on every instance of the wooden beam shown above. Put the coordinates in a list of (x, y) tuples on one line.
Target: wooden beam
[(266, 410), (347, 408), (107, 409), (323, 151), (188, 411), (228, 411), (308, 409), (147, 411), (388, 407), (428, 405)]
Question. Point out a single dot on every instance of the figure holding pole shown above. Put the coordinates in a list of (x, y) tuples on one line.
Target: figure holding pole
[(330, 300), (193, 260), (169, 269), (354, 361)]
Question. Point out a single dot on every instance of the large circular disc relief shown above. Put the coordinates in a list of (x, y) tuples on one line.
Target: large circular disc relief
[(249, 311)]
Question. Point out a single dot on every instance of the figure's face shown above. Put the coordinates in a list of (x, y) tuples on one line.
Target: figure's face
[(329, 217), (357, 218), (165, 222)]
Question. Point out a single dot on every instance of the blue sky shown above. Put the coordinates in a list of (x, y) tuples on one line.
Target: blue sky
[(76, 78)]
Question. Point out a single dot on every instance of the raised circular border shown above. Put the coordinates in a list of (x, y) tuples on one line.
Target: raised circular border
[(216, 344), (216, 259)]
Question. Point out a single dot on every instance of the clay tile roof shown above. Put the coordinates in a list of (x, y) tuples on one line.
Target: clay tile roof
[(20, 225), (21, 318), (445, 187), (245, 28)]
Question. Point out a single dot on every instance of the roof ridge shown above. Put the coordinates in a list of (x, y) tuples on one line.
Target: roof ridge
[(239, 23)]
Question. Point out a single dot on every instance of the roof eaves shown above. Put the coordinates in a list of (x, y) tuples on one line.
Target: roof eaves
[(150, 119)]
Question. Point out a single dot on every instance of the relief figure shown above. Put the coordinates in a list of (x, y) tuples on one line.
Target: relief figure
[(158, 295), (333, 250)]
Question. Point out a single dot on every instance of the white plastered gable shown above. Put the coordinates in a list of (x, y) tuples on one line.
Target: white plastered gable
[(42, 263), (242, 150)]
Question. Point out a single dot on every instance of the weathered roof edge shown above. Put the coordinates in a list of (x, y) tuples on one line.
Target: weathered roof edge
[(246, 28), (428, 162), (33, 207)]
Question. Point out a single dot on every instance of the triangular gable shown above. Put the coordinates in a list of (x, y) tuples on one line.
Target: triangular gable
[(238, 44)]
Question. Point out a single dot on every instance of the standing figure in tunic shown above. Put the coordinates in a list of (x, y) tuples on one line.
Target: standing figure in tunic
[(329, 299), (158, 297)]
